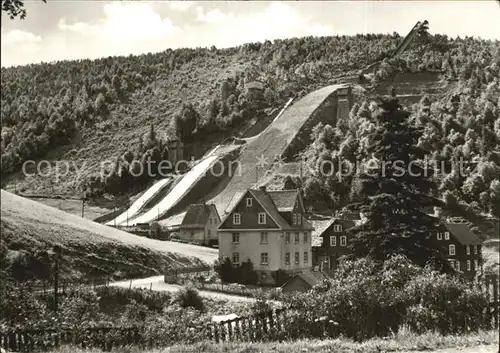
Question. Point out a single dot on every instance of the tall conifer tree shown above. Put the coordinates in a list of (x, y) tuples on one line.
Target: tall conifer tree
[(393, 192)]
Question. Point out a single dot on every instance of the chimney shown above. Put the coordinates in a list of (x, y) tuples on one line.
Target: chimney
[(262, 188)]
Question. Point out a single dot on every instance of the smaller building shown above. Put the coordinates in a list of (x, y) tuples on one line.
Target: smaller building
[(200, 224), (461, 247), (302, 282), (330, 241)]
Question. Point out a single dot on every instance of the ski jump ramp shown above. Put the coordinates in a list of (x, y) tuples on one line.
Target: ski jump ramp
[(177, 193), (139, 204)]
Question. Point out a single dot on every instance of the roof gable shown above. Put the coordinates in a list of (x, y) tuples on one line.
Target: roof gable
[(462, 233), (197, 215), (268, 205)]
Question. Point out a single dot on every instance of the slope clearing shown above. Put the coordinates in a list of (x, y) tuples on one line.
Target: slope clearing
[(89, 248)]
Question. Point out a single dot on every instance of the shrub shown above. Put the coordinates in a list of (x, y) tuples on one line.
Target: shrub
[(188, 297), (367, 300)]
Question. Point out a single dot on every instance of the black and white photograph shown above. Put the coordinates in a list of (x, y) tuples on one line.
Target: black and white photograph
[(250, 176)]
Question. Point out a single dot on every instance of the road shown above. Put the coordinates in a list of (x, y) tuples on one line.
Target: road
[(156, 283)]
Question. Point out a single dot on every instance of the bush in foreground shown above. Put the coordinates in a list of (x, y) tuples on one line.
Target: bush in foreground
[(365, 300)]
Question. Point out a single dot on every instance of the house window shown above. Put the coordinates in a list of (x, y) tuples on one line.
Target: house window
[(439, 236), (306, 237), (294, 220), (297, 238), (333, 241), (451, 249), (475, 249), (446, 235), (458, 266), (452, 263), (236, 218), (262, 218), (249, 202), (469, 265), (287, 237), (306, 257), (263, 237), (343, 241), (287, 258), (236, 238), (236, 257), (467, 249), (299, 219), (264, 258), (337, 228), (297, 257), (476, 265)]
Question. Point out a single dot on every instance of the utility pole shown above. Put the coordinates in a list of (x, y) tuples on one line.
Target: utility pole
[(57, 253), (83, 206)]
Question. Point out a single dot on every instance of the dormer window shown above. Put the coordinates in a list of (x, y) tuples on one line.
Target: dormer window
[(294, 219), (299, 219), (337, 228), (249, 202), (262, 218), (446, 235), (236, 218)]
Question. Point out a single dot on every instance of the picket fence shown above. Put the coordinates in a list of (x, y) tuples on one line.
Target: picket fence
[(104, 338)]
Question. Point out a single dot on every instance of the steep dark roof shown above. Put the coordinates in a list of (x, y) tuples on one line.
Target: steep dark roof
[(284, 199), (196, 216), (322, 225), (311, 278), (462, 232), (266, 199)]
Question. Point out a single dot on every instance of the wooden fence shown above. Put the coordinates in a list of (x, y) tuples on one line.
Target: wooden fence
[(94, 337)]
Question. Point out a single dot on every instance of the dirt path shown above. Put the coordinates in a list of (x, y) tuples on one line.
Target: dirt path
[(156, 283)]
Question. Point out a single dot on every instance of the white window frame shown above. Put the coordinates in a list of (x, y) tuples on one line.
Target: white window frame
[(343, 240), (452, 263), (476, 264), (458, 265), (287, 238), (475, 249), (297, 238), (333, 240), (306, 237), (451, 250), (235, 236), (337, 228), (469, 265), (238, 256), (306, 257), (263, 215), (236, 218), (439, 236), (249, 202), (263, 238), (297, 258), (294, 219), (467, 249), (262, 262), (446, 235), (299, 219), (287, 258)]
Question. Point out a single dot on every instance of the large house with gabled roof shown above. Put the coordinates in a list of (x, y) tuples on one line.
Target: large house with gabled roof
[(270, 229)]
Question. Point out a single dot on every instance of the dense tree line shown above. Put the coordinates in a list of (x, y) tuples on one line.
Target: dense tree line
[(51, 105), (460, 129)]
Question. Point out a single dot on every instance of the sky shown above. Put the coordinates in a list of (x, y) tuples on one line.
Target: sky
[(72, 29)]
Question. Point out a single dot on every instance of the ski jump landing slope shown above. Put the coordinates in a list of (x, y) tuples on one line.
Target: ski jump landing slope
[(178, 192), (272, 142), (139, 204)]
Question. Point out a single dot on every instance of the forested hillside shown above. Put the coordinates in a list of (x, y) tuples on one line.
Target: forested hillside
[(127, 107)]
